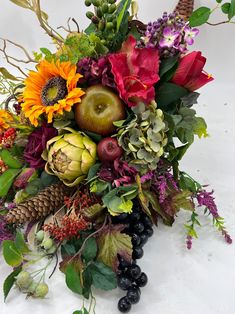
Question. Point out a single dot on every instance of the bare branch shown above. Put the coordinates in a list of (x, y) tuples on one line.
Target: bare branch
[(48, 29), (8, 58), (76, 23), (215, 24)]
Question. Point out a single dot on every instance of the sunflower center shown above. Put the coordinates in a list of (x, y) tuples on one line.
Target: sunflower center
[(54, 90)]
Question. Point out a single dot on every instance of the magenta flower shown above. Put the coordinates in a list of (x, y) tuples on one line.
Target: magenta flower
[(190, 34), (36, 144), (170, 37)]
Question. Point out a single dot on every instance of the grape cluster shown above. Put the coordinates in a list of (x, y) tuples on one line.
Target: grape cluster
[(130, 276)]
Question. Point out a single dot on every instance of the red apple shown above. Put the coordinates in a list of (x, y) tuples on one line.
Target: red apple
[(99, 108), (108, 149)]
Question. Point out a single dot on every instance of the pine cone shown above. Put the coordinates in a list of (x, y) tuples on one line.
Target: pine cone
[(46, 202), (185, 8)]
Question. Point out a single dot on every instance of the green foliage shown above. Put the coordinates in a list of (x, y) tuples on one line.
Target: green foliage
[(6, 180), (225, 7), (73, 279), (9, 282), (11, 254), (121, 13), (200, 16), (168, 94), (112, 242), (168, 67), (9, 160), (190, 226), (188, 183), (20, 243), (47, 54), (7, 75), (102, 276), (90, 250), (231, 12)]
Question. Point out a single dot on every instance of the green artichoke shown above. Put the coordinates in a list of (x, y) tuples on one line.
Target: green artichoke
[(144, 137), (70, 156)]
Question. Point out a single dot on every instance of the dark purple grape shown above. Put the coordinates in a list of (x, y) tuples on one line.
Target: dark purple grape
[(138, 227), (142, 280), (149, 231), (123, 217), (144, 239), (124, 282), (124, 305), (146, 221), (137, 252), (133, 296), (123, 264), (134, 272), (135, 239), (135, 216)]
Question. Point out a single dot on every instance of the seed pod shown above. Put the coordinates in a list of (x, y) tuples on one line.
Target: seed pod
[(105, 8), (40, 235), (47, 244), (99, 12), (101, 26), (87, 3), (41, 290), (109, 26), (95, 19), (96, 3), (89, 14), (112, 8), (24, 280)]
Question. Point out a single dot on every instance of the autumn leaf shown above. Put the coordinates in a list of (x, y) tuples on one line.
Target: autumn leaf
[(111, 243)]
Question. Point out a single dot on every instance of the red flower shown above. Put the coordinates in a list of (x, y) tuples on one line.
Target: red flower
[(190, 72), (135, 71)]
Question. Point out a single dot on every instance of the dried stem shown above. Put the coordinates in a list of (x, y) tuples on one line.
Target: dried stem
[(48, 29), (8, 58), (215, 24)]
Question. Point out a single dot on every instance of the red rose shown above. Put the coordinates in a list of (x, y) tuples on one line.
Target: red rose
[(135, 71), (189, 73)]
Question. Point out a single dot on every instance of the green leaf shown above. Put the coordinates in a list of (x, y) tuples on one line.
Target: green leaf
[(182, 200), (225, 8), (167, 64), (8, 75), (98, 186), (93, 171), (90, 250), (231, 12), (34, 187), (73, 280), (6, 180), (12, 255), (219, 1), (190, 99), (9, 160), (112, 242), (87, 283), (122, 10), (9, 282), (200, 16), (20, 243), (102, 276), (200, 127), (47, 179), (169, 93)]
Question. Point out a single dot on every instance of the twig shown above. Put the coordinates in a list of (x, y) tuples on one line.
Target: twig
[(29, 59), (215, 24), (85, 241), (8, 58), (48, 29), (76, 23), (56, 263)]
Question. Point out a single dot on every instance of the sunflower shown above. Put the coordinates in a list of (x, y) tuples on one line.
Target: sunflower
[(5, 118), (51, 90)]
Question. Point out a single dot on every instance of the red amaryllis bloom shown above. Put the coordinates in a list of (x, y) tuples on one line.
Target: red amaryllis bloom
[(135, 71), (190, 72), (36, 144)]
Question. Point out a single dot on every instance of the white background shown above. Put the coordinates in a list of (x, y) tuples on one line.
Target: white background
[(200, 281)]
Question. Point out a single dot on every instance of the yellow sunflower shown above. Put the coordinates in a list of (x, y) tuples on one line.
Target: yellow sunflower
[(51, 90), (5, 118)]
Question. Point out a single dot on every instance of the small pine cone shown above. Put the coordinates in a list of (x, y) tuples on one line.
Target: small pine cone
[(185, 8), (46, 202)]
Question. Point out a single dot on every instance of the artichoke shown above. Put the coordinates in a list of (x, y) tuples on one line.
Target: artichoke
[(69, 156), (144, 137)]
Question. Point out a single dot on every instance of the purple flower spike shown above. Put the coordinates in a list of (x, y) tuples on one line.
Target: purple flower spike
[(169, 38), (190, 34)]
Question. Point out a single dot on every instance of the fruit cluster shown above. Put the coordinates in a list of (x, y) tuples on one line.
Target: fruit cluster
[(130, 276), (104, 17)]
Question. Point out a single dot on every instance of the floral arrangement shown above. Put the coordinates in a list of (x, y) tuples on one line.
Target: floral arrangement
[(90, 145)]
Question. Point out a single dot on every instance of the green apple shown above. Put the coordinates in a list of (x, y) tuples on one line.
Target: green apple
[(99, 108)]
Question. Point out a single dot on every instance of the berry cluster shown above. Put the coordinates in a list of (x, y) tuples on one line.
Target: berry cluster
[(7, 138), (130, 276)]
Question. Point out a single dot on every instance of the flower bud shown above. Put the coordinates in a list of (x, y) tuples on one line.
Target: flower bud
[(105, 8), (47, 244), (99, 13), (24, 280), (95, 20), (40, 235), (109, 26), (41, 290), (96, 3), (101, 26)]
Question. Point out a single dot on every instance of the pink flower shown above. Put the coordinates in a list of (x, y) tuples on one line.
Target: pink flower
[(135, 71), (169, 37), (190, 72), (190, 34)]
